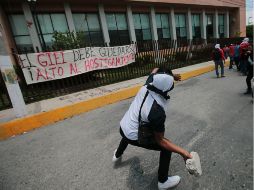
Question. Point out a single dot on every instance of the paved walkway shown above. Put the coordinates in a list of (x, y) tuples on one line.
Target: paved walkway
[(205, 114)]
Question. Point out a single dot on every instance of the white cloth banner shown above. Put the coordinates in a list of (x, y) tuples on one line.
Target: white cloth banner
[(46, 66)]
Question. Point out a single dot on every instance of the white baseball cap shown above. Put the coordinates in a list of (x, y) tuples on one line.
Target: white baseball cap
[(217, 46), (163, 82)]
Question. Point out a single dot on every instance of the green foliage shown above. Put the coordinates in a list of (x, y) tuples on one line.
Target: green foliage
[(249, 31), (68, 40), (238, 34)]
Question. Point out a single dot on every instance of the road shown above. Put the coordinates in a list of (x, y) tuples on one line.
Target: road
[(208, 115)]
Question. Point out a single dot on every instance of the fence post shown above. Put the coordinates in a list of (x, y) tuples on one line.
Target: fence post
[(10, 79)]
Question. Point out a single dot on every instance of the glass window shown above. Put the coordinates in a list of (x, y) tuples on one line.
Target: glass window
[(48, 23), (196, 30), (118, 28), (209, 26), (162, 23), (142, 26), (180, 21), (59, 22), (221, 25), (20, 32), (90, 25)]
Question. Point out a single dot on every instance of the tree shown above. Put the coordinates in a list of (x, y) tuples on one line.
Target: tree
[(68, 40)]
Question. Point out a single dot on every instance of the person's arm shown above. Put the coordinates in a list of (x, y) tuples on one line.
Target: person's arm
[(167, 144), (155, 70), (222, 55)]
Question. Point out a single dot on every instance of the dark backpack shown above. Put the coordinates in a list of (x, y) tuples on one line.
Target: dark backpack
[(217, 54)]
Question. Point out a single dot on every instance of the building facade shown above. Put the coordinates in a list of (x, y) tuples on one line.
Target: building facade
[(31, 24)]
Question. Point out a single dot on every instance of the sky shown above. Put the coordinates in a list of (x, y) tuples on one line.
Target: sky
[(249, 12)]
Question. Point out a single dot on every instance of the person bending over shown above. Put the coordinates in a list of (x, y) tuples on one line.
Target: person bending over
[(152, 98)]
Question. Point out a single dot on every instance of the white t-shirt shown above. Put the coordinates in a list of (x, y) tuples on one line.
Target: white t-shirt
[(151, 112)]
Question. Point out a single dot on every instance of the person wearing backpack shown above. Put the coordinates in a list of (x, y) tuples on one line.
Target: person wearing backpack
[(219, 59), (148, 107)]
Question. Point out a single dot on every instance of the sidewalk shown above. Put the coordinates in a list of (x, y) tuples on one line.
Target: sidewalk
[(52, 110)]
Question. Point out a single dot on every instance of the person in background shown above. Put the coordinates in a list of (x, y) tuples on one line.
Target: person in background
[(152, 98), (249, 70), (226, 51), (243, 55), (219, 59), (231, 55), (237, 55)]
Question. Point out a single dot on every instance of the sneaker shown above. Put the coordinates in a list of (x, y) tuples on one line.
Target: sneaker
[(115, 159), (171, 182), (222, 76)]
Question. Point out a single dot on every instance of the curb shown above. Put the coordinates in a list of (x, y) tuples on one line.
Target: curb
[(22, 125)]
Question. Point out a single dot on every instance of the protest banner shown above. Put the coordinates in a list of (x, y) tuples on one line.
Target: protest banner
[(46, 66)]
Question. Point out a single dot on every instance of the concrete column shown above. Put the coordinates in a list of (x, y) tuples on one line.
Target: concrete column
[(189, 25), (131, 24), (215, 24), (153, 23), (10, 79), (203, 25), (172, 24), (69, 17), (104, 25), (226, 25), (32, 28)]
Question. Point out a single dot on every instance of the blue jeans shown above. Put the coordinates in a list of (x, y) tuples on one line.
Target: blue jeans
[(217, 64)]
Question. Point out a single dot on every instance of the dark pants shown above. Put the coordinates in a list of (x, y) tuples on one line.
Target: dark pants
[(231, 62), (236, 59), (249, 77), (165, 155), (243, 66), (217, 64)]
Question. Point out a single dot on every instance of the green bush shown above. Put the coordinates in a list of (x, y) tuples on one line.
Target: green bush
[(68, 40)]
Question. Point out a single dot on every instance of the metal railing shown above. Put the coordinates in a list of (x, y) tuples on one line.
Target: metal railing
[(167, 53)]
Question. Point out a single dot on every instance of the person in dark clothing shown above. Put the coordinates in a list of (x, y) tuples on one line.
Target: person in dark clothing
[(149, 105), (231, 55), (249, 55), (219, 59), (237, 56), (243, 56)]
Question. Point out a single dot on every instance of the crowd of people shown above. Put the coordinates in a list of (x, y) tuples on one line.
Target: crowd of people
[(240, 55)]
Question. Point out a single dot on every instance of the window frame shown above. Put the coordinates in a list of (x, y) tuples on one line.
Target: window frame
[(141, 27), (194, 27), (221, 35), (163, 28), (30, 48), (39, 29), (90, 31), (179, 27), (119, 40), (210, 25)]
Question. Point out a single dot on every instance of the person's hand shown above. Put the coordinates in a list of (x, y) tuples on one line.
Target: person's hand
[(186, 155), (177, 77)]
